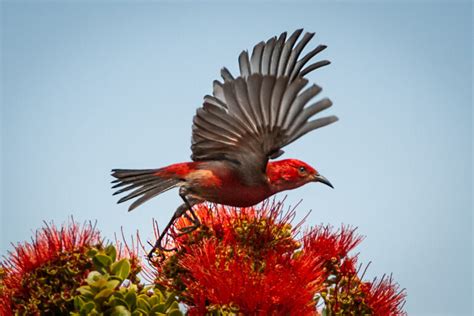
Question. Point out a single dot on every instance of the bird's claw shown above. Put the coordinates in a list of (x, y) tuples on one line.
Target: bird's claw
[(186, 230), (161, 250)]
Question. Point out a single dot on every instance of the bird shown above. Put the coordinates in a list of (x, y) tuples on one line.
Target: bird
[(238, 132)]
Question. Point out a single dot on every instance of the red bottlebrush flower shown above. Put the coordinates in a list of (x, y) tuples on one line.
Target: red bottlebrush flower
[(242, 251), (345, 293), (249, 261), (259, 228), (323, 242), (224, 276), (42, 275), (384, 297)]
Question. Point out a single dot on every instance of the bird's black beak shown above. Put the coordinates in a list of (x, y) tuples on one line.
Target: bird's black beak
[(320, 178)]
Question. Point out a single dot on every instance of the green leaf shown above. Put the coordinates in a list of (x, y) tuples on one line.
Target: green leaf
[(116, 301), (174, 306), (120, 311), (93, 277), (159, 294), (131, 298), (111, 252), (161, 308), (121, 268), (78, 302), (112, 284), (92, 252), (103, 294), (102, 261), (169, 301), (154, 300), (86, 291), (142, 303), (175, 312), (87, 308)]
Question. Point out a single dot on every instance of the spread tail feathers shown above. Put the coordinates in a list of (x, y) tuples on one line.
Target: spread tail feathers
[(146, 184)]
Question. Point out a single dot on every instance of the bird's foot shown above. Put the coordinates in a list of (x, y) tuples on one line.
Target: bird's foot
[(186, 230), (159, 250)]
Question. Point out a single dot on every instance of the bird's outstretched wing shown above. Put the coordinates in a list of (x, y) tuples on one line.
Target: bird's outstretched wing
[(249, 119)]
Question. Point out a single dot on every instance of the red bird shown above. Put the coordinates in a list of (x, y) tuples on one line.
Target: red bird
[(243, 125)]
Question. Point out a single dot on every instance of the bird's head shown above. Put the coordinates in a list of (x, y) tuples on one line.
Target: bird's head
[(292, 173)]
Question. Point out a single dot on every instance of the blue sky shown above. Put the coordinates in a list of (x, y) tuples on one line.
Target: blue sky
[(88, 87)]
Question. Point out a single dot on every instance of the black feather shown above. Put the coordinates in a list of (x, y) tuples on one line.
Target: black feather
[(314, 66), (142, 181), (256, 59), (286, 52)]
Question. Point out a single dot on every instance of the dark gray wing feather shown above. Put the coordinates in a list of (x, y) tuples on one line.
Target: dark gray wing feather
[(286, 52), (279, 57), (276, 54), (249, 118), (263, 114)]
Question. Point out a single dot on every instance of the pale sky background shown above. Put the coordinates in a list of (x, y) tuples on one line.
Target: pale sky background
[(89, 87)]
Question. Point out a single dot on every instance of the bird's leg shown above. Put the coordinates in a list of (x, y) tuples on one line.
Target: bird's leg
[(187, 229), (183, 192), (178, 213), (193, 219)]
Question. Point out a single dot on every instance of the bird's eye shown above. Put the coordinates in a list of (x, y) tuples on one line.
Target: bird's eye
[(302, 169)]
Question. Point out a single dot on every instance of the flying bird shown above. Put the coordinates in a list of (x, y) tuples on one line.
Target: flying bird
[(238, 130)]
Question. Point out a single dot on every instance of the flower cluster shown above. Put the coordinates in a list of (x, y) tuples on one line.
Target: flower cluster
[(42, 275), (246, 251), (240, 261), (250, 261), (72, 271)]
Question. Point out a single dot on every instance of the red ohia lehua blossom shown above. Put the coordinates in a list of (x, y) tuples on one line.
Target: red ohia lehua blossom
[(250, 261), (41, 276), (331, 247), (237, 252), (345, 293), (383, 296)]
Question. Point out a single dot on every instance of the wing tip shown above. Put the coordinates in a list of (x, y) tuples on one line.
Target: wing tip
[(332, 118)]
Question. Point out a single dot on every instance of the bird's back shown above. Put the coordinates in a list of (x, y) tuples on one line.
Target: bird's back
[(226, 183)]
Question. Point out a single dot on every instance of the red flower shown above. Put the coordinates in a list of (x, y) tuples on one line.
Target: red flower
[(345, 293), (323, 242), (241, 251), (249, 261), (219, 279), (384, 297), (42, 275), (259, 228)]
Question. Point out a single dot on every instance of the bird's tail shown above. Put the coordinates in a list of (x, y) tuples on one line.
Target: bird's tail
[(145, 184)]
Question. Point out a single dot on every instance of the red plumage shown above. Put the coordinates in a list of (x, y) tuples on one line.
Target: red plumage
[(244, 123)]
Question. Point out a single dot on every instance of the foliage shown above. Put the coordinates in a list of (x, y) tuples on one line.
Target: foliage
[(42, 275), (110, 291), (71, 271)]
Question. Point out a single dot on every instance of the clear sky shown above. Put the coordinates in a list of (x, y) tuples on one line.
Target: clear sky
[(89, 87)]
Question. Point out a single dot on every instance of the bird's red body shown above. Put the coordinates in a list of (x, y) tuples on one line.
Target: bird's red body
[(224, 183)]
